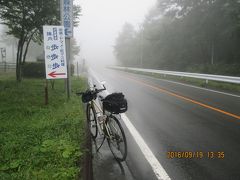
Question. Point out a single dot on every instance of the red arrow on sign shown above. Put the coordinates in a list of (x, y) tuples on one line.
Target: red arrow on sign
[(54, 74)]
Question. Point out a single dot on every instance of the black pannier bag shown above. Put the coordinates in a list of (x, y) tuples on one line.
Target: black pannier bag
[(88, 96), (115, 103)]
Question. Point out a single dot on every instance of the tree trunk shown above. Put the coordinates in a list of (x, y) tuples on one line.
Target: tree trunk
[(21, 43), (25, 52), (20, 62), (17, 61), (26, 49)]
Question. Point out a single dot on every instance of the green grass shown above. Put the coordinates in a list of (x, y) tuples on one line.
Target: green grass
[(38, 141), (197, 82)]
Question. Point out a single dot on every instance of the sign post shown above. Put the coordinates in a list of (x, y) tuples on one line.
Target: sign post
[(67, 22), (3, 54), (55, 54), (68, 67), (67, 17)]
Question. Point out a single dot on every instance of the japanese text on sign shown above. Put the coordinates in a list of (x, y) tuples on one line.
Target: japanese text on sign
[(55, 53), (67, 17)]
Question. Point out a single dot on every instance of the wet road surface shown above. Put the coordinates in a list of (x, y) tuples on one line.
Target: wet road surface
[(194, 133), (105, 166)]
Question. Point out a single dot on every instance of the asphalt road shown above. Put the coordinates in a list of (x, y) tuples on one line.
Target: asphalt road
[(173, 117)]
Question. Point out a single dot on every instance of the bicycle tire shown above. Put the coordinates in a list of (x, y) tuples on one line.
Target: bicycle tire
[(92, 121), (117, 137)]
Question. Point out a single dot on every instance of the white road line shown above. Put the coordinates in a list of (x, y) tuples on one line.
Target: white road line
[(157, 168)]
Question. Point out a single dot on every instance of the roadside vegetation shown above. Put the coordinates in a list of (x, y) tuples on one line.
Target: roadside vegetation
[(190, 36), (39, 141)]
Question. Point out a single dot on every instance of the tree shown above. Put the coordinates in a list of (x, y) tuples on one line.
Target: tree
[(25, 18), (126, 46), (186, 34), (8, 40), (75, 49)]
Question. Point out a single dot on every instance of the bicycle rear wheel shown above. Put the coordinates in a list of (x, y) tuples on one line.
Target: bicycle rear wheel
[(92, 120), (117, 140)]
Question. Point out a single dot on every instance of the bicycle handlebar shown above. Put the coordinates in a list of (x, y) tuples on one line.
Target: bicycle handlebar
[(95, 91), (100, 90)]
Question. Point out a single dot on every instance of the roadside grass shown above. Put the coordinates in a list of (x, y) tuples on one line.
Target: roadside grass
[(38, 141), (193, 81)]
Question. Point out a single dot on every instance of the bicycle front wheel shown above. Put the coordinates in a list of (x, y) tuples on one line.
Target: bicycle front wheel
[(116, 140), (92, 120)]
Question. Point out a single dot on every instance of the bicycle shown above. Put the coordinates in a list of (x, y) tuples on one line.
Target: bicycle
[(102, 120)]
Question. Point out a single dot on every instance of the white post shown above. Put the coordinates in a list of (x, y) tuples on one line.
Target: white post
[(67, 21), (67, 42)]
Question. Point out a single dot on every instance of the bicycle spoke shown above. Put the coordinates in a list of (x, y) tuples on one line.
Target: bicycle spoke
[(117, 140), (91, 115)]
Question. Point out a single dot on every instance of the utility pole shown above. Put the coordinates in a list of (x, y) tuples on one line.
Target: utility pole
[(77, 69), (141, 45), (212, 53), (66, 7), (67, 42)]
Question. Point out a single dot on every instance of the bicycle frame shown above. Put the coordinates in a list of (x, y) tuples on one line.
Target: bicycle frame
[(106, 123), (100, 111)]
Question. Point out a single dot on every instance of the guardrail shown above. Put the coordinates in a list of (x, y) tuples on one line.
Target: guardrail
[(207, 77), (5, 66)]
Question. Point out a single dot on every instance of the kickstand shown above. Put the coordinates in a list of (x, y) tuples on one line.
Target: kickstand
[(101, 144)]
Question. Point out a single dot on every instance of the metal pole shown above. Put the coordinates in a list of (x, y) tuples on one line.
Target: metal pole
[(67, 41), (77, 70), (141, 45), (5, 66), (212, 53), (46, 92), (141, 48)]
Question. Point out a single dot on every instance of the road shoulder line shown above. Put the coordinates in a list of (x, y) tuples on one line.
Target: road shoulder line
[(156, 166)]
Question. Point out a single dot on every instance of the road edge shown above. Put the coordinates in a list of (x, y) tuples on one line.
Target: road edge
[(87, 171)]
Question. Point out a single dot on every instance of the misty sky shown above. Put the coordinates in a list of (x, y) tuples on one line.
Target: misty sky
[(102, 21)]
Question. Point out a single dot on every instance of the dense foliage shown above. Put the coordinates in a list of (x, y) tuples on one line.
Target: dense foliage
[(180, 35), (25, 20)]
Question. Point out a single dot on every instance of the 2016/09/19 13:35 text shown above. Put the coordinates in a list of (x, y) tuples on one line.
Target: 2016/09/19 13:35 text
[(195, 154)]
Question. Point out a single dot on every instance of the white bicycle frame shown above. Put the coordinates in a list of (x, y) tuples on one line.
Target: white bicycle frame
[(99, 113)]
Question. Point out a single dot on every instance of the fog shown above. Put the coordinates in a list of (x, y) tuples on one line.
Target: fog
[(100, 23)]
